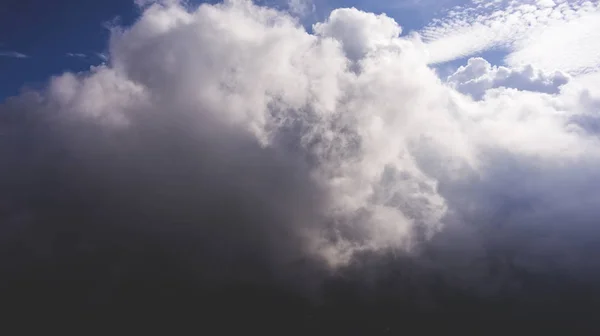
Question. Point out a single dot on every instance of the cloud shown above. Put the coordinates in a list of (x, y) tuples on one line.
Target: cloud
[(78, 55), (573, 45), (225, 146), (359, 32), (528, 31), (301, 7), (478, 76), (12, 54), (102, 56)]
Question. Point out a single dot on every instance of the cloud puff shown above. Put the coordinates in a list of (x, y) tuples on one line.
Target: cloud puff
[(226, 144), (359, 32), (479, 75)]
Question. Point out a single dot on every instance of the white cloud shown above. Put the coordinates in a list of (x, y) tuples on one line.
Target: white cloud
[(12, 54), (479, 76), (530, 31), (232, 122), (545, 3), (359, 32), (573, 46)]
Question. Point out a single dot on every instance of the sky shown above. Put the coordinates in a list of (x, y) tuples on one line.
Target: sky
[(301, 167), (72, 35)]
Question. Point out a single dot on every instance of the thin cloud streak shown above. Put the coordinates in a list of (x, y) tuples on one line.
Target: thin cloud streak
[(79, 55), (13, 54)]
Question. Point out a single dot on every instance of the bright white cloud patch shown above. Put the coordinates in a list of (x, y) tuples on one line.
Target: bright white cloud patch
[(573, 45), (479, 76), (345, 140), (359, 32), (551, 35)]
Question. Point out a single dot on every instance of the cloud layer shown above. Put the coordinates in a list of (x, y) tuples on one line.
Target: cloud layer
[(225, 144), (551, 35)]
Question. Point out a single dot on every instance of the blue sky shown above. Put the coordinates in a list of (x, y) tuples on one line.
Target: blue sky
[(39, 39), (47, 31)]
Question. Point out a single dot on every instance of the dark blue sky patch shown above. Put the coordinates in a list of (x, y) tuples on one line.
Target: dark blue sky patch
[(47, 30)]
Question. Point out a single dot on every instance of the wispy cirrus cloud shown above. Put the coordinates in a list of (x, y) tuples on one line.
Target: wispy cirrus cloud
[(79, 55), (13, 54), (102, 56), (528, 30)]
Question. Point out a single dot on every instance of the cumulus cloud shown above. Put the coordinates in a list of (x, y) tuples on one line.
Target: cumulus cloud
[(479, 75), (226, 144), (359, 32)]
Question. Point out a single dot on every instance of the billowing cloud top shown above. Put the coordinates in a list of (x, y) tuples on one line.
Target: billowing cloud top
[(479, 76), (228, 141)]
